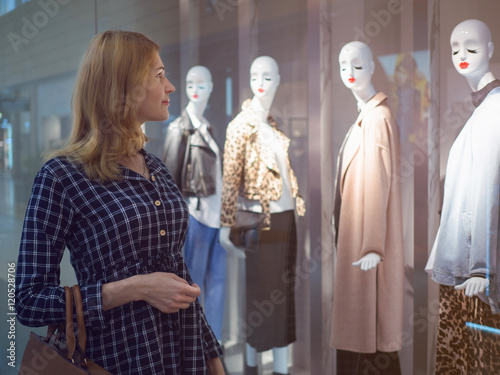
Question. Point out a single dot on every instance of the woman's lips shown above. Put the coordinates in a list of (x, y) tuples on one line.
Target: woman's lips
[(261, 90), (464, 65), (195, 96), (352, 80), (167, 102)]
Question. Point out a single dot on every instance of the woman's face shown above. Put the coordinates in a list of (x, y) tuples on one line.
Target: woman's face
[(154, 103)]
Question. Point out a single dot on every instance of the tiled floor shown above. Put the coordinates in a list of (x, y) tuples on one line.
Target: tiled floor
[(234, 361)]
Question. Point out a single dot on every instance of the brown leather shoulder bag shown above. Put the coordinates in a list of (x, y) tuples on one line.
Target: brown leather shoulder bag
[(60, 352)]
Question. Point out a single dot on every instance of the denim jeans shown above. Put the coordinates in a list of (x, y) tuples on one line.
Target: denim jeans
[(206, 262)]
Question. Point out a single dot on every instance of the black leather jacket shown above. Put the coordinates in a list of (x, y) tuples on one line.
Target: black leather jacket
[(190, 159)]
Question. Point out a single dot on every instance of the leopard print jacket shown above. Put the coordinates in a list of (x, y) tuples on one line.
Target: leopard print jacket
[(250, 170)]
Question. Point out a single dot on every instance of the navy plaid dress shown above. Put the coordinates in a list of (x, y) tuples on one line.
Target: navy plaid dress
[(123, 228)]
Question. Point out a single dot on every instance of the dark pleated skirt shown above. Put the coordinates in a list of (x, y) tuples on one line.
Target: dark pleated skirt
[(270, 285)]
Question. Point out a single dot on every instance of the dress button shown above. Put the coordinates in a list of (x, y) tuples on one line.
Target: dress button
[(162, 232), (152, 178), (157, 203)]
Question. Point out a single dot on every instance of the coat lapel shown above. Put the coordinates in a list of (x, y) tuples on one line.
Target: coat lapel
[(354, 138)]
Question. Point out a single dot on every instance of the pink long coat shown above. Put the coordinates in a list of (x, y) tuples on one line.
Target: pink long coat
[(368, 305)]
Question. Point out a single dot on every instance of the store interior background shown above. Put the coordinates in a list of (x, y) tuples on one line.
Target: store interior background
[(410, 42)]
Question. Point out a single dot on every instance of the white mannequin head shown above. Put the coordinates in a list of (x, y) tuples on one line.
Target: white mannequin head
[(472, 49), (264, 77), (356, 69), (199, 84)]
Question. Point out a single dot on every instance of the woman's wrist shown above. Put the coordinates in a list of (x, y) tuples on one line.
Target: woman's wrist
[(120, 292)]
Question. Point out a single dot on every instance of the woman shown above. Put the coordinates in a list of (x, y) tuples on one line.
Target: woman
[(118, 211)]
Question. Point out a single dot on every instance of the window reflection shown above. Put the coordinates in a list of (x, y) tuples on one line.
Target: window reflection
[(7, 6)]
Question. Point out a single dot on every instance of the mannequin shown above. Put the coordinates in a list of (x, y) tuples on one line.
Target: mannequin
[(369, 268), (205, 257), (465, 253), (253, 135)]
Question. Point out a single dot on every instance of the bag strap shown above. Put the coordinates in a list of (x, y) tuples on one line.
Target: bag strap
[(75, 293), (70, 333), (82, 333)]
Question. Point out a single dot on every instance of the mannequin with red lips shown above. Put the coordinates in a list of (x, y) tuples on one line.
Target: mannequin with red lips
[(472, 48), (264, 81), (466, 39), (465, 255), (368, 229), (204, 256), (356, 70)]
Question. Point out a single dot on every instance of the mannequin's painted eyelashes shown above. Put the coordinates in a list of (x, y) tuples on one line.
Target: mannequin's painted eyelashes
[(469, 50), (356, 67)]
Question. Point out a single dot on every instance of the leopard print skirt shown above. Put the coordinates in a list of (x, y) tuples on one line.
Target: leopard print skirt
[(462, 350)]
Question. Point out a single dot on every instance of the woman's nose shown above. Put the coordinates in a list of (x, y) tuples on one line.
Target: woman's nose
[(169, 87)]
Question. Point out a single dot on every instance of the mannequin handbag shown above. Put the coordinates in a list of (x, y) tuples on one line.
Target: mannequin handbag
[(245, 232), (60, 352)]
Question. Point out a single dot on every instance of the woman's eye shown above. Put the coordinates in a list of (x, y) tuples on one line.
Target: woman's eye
[(472, 50), (455, 53), (358, 67), (343, 69), (267, 79), (201, 87)]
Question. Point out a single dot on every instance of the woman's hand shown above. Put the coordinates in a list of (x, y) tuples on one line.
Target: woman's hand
[(228, 245), (166, 291)]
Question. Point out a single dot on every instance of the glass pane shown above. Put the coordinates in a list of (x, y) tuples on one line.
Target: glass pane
[(399, 46), (225, 37), (39, 58)]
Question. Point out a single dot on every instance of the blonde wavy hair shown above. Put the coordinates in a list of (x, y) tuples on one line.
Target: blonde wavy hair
[(109, 88)]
